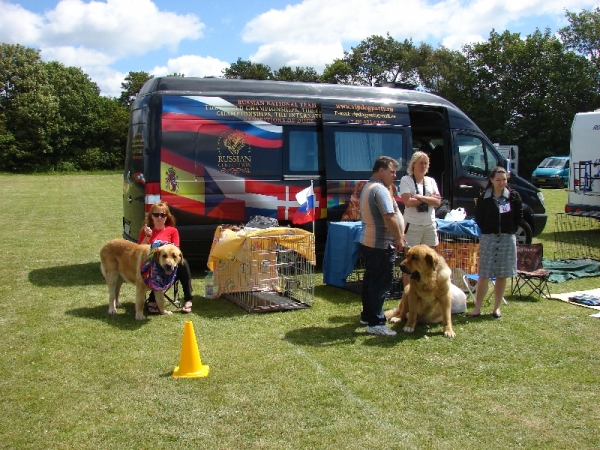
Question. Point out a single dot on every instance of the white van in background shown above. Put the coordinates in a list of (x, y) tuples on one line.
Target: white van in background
[(584, 184)]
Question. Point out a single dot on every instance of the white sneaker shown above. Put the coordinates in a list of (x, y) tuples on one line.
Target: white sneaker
[(364, 322), (381, 330)]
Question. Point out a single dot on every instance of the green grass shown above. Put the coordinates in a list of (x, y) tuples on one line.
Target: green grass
[(73, 377)]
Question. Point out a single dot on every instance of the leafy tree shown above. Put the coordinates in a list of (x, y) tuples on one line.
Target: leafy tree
[(28, 110), (583, 34), (77, 98), (338, 72), (377, 60), (443, 72), (131, 86), (247, 70), (87, 122), (107, 150), (52, 117), (302, 74), (527, 91)]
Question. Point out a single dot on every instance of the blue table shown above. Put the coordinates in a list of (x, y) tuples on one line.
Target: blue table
[(341, 252)]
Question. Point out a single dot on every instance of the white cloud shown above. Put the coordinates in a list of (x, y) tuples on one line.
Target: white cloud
[(192, 66), (120, 27), (108, 80), (17, 25), (315, 55), (314, 32), (93, 35), (77, 57)]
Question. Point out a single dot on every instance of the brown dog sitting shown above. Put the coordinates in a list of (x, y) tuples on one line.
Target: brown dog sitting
[(427, 297), (121, 260)]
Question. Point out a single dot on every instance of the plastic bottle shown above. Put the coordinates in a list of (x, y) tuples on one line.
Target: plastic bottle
[(209, 289)]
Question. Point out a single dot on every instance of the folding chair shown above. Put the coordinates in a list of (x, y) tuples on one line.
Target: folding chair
[(531, 275), (174, 298), (468, 277), (175, 301)]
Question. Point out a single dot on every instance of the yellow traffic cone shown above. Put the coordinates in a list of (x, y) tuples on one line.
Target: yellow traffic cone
[(190, 365)]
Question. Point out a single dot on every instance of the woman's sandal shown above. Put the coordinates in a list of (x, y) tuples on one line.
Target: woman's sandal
[(152, 310), (187, 309)]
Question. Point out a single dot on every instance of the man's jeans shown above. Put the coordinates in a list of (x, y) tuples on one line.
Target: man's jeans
[(377, 282)]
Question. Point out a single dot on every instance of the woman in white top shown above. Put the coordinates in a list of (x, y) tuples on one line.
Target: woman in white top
[(420, 196)]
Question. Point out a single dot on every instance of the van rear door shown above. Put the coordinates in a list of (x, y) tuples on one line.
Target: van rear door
[(134, 177)]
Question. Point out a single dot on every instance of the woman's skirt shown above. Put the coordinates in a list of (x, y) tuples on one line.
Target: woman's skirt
[(497, 255)]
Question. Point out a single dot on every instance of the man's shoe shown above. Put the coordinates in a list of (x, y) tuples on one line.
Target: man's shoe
[(364, 322), (381, 330)]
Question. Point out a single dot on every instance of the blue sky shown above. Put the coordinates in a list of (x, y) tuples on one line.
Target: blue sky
[(109, 38)]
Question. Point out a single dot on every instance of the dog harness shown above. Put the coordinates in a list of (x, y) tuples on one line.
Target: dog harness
[(153, 274)]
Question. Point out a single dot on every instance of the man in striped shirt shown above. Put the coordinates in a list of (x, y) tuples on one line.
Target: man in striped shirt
[(382, 235)]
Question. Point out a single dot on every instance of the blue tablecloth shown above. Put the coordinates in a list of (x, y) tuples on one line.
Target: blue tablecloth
[(341, 252), (462, 228)]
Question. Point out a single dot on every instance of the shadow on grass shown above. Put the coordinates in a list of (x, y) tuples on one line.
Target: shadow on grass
[(347, 332), (217, 308), (125, 317), (85, 274), (336, 295), (124, 320), (527, 299)]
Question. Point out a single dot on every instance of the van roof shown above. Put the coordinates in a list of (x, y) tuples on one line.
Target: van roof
[(216, 86), (308, 91)]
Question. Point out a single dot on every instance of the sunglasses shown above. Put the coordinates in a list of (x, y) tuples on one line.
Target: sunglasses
[(163, 215)]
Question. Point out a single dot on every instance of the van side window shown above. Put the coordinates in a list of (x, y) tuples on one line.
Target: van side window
[(476, 156), (357, 150), (303, 151)]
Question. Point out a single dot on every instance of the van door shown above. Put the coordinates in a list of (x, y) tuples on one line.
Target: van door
[(474, 158)]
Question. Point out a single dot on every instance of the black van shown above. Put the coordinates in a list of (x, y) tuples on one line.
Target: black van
[(220, 151)]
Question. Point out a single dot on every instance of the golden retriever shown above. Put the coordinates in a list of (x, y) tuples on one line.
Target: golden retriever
[(427, 297), (121, 261)]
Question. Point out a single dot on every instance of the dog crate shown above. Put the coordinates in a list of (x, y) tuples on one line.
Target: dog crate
[(355, 279), (343, 265), (577, 236), (459, 245), (265, 270)]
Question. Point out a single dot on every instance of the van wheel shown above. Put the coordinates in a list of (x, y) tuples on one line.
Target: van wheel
[(524, 233), (561, 183)]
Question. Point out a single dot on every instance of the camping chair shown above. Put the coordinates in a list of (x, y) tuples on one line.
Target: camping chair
[(473, 277), (531, 275), (175, 300)]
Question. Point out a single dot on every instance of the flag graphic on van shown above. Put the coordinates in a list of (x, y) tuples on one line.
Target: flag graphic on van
[(226, 162), (213, 115)]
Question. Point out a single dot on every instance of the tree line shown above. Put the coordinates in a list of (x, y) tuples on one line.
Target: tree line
[(521, 91)]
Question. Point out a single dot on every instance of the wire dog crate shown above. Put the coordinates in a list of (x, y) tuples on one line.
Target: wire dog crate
[(269, 270), (576, 236), (355, 278), (460, 248)]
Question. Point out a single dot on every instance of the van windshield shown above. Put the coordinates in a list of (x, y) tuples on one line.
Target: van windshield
[(553, 162)]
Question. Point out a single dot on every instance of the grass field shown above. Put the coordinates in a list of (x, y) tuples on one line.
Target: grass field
[(73, 377)]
